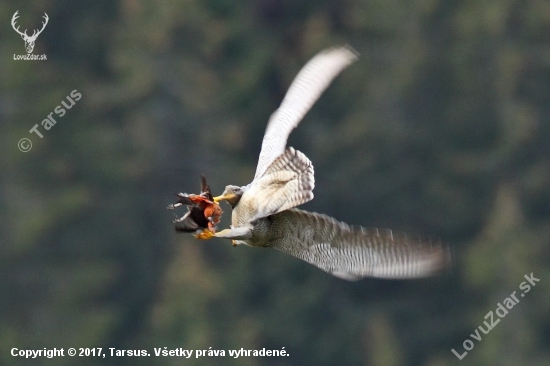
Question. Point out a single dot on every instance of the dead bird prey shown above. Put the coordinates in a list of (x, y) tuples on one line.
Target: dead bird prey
[(203, 213)]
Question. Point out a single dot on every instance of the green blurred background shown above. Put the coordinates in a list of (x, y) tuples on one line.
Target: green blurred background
[(441, 129)]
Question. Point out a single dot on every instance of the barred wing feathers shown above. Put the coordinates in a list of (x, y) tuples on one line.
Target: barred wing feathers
[(306, 88), (352, 253), (287, 183)]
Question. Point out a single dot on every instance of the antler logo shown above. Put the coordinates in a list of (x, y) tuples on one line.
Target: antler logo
[(29, 40)]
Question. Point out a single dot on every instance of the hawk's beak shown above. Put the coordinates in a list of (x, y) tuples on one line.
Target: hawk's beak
[(225, 197)]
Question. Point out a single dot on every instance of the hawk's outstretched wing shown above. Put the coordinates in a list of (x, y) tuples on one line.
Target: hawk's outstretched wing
[(306, 88), (288, 182), (353, 253)]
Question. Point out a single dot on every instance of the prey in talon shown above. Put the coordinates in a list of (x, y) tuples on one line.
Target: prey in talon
[(203, 214)]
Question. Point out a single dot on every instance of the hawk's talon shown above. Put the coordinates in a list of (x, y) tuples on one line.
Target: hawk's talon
[(204, 235)]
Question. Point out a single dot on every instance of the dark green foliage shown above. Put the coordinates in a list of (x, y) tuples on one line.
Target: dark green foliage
[(441, 129)]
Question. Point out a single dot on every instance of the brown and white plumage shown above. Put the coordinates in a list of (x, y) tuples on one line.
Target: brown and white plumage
[(306, 88), (264, 214), (353, 252), (284, 178)]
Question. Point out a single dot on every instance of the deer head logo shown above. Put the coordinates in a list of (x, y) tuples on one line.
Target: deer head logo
[(29, 40)]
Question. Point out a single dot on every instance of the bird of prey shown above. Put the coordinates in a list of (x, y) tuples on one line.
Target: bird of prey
[(264, 213)]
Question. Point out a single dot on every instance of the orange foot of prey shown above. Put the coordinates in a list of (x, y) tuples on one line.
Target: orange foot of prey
[(204, 235)]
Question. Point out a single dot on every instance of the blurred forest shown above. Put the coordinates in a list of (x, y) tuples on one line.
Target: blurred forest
[(441, 129)]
